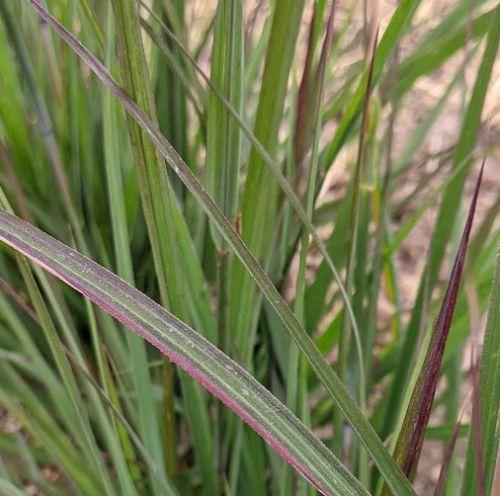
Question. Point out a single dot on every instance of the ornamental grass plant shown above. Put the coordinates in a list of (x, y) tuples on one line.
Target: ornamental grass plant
[(209, 219)]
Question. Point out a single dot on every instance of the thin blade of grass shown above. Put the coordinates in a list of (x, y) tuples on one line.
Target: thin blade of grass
[(477, 430), (398, 23), (175, 260), (259, 219), (309, 101), (428, 58), (305, 120), (171, 95), (443, 472), (352, 239), (223, 133), (148, 425), (223, 163), (11, 292)]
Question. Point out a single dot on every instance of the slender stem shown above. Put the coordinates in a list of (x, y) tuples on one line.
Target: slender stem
[(344, 338)]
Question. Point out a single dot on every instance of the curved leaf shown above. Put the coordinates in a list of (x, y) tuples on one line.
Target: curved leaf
[(223, 377)]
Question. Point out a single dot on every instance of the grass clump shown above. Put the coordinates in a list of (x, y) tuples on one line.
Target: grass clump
[(178, 174)]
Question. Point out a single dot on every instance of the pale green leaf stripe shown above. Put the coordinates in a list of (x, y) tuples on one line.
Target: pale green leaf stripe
[(391, 473), (208, 365)]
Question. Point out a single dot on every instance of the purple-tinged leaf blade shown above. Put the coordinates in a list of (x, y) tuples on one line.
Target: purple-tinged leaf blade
[(310, 89), (224, 378), (410, 440)]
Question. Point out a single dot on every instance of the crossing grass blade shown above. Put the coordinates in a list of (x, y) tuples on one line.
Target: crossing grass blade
[(209, 366)]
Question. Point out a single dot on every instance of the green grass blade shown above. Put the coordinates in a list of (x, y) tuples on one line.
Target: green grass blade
[(223, 159), (428, 58), (223, 133), (309, 104), (223, 377), (224, 140), (259, 219), (165, 233), (148, 425), (352, 255)]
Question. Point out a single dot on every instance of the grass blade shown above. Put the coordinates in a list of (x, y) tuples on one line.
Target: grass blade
[(259, 219), (223, 162), (443, 472), (428, 58), (215, 371), (173, 253), (309, 101), (223, 134), (352, 240), (410, 439), (148, 426)]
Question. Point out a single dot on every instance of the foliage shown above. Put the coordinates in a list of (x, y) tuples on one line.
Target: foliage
[(181, 191)]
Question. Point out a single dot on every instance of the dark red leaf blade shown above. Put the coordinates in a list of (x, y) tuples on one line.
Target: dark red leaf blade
[(410, 440), (309, 94)]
